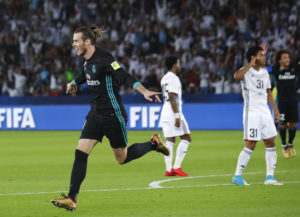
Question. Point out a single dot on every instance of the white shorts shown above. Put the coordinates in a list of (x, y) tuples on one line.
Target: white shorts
[(258, 125), (170, 130)]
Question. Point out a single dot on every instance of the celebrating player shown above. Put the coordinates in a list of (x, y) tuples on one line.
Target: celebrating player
[(257, 119), (173, 121), (285, 77), (107, 116)]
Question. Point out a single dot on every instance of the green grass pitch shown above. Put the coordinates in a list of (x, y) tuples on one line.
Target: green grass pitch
[(39, 163)]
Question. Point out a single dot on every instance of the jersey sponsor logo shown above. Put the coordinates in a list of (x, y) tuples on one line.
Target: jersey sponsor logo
[(115, 65), (16, 118), (286, 76), (94, 69), (93, 82)]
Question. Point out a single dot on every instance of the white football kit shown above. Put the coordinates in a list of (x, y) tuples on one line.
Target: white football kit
[(257, 119), (170, 83)]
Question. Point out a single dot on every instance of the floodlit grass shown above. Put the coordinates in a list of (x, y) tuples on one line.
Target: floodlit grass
[(32, 162)]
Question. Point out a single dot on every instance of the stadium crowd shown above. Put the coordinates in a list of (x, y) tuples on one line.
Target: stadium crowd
[(209, 36)]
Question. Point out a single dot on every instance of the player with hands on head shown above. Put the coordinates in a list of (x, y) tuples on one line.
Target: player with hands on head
[(257, 119)]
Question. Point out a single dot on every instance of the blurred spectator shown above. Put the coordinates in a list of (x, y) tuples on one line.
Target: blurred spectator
[(20, 80), (217, 84), (204, 82)]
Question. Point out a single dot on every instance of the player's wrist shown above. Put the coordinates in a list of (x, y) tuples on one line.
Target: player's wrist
[(73, 83), (177, 115)]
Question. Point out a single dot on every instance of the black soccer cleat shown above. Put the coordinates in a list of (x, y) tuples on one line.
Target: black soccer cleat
[(161, 147)]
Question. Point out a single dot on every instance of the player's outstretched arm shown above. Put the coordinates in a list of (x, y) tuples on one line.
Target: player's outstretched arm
[(148, 94), (240, 74), (273, 105)]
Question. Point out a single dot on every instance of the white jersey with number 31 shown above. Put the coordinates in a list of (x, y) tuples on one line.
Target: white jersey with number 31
[(254, 87), (170, 83), (257, 119)]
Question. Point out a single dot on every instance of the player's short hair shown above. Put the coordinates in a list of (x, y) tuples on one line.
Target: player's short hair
[(253, 52), (91, 32), (170, 61), (279, 54)]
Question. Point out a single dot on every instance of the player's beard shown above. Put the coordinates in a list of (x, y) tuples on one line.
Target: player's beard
[(178, 71), (83, 51), (261, 63)]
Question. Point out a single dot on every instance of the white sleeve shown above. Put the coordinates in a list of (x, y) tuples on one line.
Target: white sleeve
[(269, 83), (174, 86)]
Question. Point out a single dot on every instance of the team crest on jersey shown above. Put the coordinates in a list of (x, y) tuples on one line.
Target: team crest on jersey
[(115, 65)]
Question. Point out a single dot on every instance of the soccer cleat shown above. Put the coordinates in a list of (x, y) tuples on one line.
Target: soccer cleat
[(65, 202), (179, 172), (161, 147), (239, 180), (270, 180), (292, 151), (167, 173), (285, 153)]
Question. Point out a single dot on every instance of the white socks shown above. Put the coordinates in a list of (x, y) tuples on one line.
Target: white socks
[(168, 159), (180, 153), (243, 160), (271, 160)]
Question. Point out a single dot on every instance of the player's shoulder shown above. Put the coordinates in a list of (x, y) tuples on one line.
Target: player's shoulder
[(170, 76), (104, 54), (107, 59), (250, 72), (264, 70)]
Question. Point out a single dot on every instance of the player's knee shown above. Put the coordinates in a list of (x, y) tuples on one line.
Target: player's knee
[(293, 125), (171, 139), (282, 126), (269, 143), (121, 161), (189, 140), (250, 144), (187, 137)]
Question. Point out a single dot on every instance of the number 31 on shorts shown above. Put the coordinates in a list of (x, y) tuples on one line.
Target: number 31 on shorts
[(253, 133)]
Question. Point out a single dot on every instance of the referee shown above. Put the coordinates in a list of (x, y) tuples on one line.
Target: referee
[(107, 116), (285, 77)]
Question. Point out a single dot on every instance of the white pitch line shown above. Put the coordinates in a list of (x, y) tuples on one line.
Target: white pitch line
[(146, 188), (151, 188), (156, 184)]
